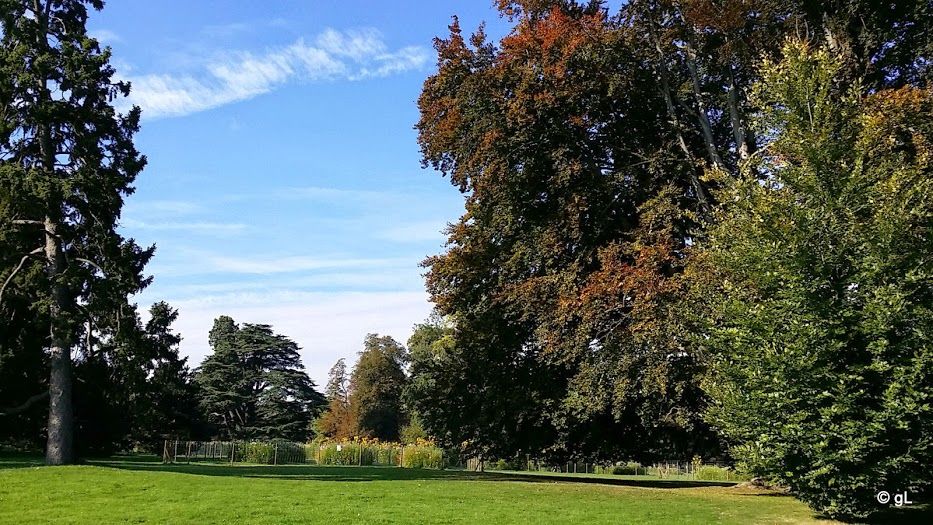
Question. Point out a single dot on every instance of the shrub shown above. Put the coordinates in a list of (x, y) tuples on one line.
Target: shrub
[(423, 456), (714, 473), (255, 452), (628, 469), (342, 454)]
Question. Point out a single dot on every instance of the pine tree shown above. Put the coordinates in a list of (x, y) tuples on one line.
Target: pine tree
[(67, 159)]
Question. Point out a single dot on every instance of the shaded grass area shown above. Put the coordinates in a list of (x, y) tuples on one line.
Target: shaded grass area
[(140, 490)]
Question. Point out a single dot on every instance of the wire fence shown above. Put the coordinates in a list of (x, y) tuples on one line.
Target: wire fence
[(422, 455), (282, 452)]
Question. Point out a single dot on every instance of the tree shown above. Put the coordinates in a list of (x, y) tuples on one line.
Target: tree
[(66, 161), (336, 421), (254, 386), (171, 402), (590, 149), (820, 318), (559, 139), (376, 387), (134, 389), (337, 382)]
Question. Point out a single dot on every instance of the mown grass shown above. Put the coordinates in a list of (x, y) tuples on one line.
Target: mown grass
[(135, 491)]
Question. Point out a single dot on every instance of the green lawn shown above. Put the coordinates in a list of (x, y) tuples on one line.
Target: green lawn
[(137, 491)]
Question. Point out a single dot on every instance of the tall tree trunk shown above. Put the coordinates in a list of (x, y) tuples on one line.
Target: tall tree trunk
[(701, 111), (60, 447)]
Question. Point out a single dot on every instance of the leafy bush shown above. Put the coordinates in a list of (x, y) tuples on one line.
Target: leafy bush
[(343, 454), (270, 452), (423, 456), (499, 465), (628, 469), (714, 473), (255, 452)]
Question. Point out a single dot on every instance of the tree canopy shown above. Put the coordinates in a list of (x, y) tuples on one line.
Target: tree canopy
[(820, 321), (254, 386)]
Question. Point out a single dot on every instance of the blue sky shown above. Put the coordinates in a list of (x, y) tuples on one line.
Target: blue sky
[(284, 183)]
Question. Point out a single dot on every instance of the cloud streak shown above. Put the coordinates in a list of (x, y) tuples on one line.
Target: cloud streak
[(333, 55)]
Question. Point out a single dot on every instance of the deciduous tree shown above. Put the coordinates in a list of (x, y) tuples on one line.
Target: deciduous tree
[(821, 319)]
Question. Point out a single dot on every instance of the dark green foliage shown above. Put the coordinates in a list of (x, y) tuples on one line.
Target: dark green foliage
[(171, 398), (137, 390), (254, 386), (67, 160), (376, 387)]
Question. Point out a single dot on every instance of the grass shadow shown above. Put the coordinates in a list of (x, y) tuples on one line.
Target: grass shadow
[(370, 473), (12, 460)]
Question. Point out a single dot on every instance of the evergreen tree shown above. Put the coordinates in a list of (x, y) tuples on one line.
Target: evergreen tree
[(336, 421), (171, 402), (254, 386), (66, 161)]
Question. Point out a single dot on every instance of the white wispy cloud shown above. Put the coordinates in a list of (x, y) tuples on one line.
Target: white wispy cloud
[(162, 207), (203, 227), (193, 262), (416, 232), (105, 36), (334, 55), (294, 263)]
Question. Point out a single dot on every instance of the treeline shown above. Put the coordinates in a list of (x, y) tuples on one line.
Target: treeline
[(139, 391), (80, 373), (690, 228)]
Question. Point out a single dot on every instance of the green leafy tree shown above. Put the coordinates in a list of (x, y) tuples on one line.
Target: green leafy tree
[(254, 386), (66, 161), (821, 320), (376, 387)]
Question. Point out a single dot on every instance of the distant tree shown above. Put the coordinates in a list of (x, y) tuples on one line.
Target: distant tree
[(336, 421), (821, 317), (67, 159), (254, 386), (171, 404), (414, 430), (337, 382), (376, 387), (135, 389)]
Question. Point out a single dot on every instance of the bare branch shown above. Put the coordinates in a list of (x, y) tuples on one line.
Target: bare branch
[(25, 406), (28, 222), (17, 269), (92, 263)]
